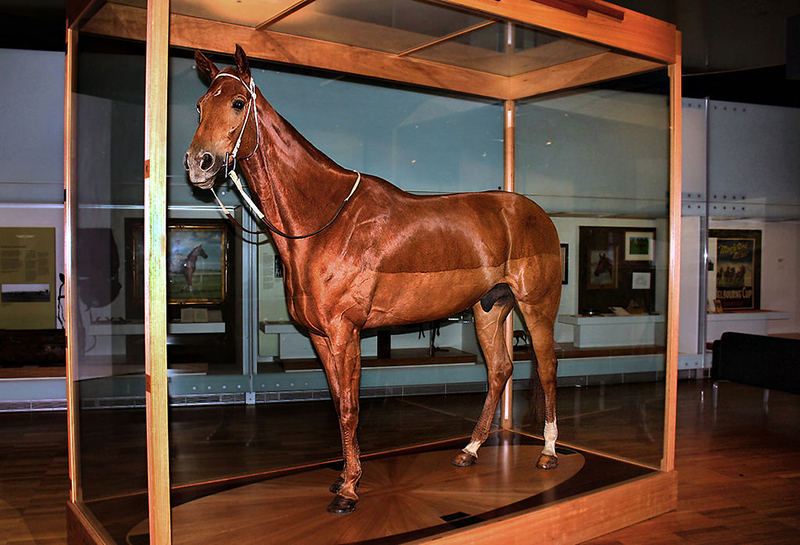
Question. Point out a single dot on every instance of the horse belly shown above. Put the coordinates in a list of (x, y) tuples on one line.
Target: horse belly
[(408, 298)]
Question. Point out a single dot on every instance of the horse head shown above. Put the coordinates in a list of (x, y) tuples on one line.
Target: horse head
[(228, 126), (199, 252), (603, 265)]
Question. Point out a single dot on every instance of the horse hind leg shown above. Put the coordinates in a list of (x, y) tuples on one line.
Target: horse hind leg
[(540, 326), (490, 314)]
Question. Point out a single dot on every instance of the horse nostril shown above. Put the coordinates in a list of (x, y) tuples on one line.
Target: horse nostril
[(186, 161), (206, 161)]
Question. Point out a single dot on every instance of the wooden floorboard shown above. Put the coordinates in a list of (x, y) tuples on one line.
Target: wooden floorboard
[(738, 466)]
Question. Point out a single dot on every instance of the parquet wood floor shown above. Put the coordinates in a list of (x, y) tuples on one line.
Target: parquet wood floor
[(739, 466)]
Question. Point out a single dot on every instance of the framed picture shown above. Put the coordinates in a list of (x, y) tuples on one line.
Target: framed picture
[(197, 263), (640, 281), (639, 245), (608, 278), (736, 281), (603, 270), (564, 264)]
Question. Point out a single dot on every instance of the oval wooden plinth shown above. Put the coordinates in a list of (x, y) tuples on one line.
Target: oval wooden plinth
[(399, 496)]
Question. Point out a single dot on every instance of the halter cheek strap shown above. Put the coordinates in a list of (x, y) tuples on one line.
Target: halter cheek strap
[(251, 107)]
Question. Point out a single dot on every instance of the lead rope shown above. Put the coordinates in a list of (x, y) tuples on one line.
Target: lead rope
[(270, 227)]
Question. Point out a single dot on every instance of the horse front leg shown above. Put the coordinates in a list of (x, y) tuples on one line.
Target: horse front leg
[(341, 358), (323, 348)]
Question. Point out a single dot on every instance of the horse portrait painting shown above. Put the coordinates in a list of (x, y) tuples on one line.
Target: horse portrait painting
[(603, 271), (186, 266), (360, 253)]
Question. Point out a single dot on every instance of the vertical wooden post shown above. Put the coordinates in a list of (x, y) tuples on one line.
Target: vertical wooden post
[(507, 402), (673, 302), (71, 296), (155, 200)]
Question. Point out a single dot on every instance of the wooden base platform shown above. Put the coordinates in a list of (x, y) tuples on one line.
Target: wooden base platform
[(410, 495)]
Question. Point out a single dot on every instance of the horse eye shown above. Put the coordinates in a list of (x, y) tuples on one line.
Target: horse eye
[(197, 108), (238, 103)]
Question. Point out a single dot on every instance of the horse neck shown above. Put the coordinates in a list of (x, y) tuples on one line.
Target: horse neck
[(298, 187)]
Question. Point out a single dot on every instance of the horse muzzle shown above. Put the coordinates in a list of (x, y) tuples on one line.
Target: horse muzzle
[(203, 168)]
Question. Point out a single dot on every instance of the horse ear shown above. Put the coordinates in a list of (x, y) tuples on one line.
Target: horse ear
[(241, 61), (204, 65)]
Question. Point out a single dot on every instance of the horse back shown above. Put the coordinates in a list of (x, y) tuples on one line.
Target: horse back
[(392, 255), (461, 231)]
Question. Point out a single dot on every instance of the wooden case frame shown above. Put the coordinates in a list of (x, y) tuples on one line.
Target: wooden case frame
[(636, 43)]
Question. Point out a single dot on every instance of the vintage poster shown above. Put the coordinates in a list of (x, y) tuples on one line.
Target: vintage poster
[(736, 273)]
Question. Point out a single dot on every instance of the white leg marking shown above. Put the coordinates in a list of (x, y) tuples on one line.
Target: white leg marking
[(550, 436), (472, 448)]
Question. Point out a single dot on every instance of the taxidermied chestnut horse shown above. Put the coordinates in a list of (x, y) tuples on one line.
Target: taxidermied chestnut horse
[(360, 253)]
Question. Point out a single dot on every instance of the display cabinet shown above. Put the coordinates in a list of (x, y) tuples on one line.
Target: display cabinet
[(198, 411)]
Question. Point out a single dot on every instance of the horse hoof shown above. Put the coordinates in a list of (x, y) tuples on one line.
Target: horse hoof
[(464, 459), (341, 505), (337, 485), (546, 461)]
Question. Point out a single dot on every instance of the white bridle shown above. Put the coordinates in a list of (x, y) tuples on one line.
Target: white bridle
[(230, 171), (251, 106)]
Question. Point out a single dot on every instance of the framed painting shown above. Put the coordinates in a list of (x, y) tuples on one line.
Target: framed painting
[(197, 263), (639, 245), (603, 273)]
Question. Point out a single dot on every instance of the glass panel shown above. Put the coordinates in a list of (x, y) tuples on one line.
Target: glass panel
[(421, 142), (208, 359), (231, 339), (508, 50), (753, 211), (247, 12), (753, 164), (597, 160), (109, 344), (393, 26), (426, 144)]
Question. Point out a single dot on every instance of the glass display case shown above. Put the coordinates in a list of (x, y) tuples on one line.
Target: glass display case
[(191, 386)]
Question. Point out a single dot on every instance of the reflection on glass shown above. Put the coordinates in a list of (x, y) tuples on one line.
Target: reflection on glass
[(393, 26), (507, 49), (594, 159), (598, 161), (109, 344)]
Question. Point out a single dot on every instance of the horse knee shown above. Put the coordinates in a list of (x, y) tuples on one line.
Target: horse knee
[(505, 370)]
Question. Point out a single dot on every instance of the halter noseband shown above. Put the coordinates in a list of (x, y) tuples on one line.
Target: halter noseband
[(230, 172)]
